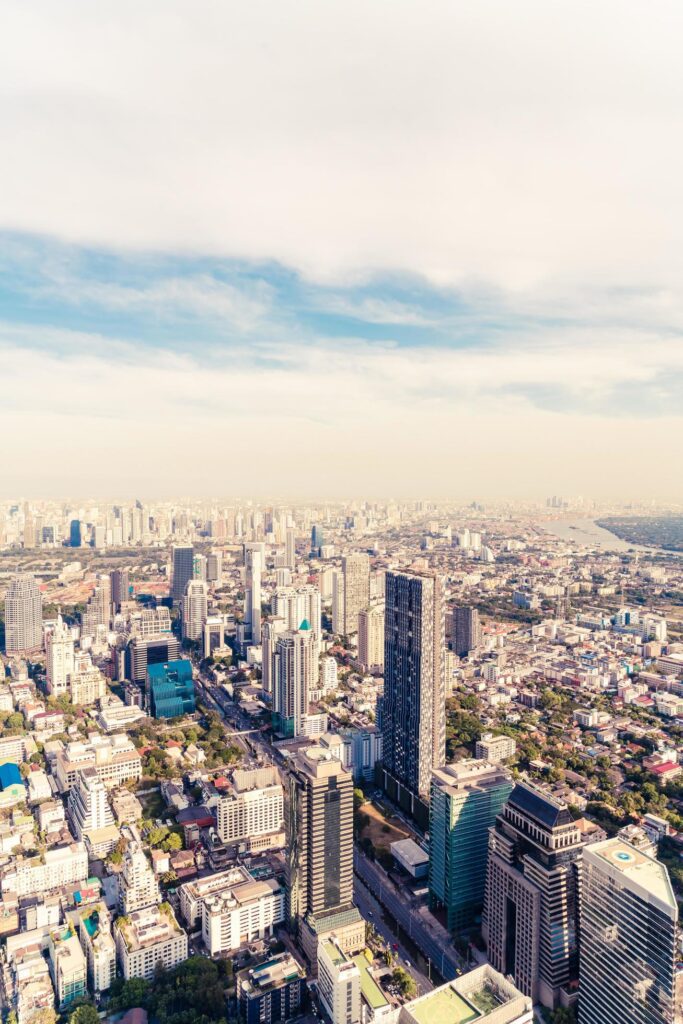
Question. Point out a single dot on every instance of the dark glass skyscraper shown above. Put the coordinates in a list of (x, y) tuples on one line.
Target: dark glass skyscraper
[(466, 630), (413, 707), (183, 569), (75, 538)]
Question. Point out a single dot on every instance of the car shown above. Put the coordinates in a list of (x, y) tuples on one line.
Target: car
[(394, 946), (407, 963)]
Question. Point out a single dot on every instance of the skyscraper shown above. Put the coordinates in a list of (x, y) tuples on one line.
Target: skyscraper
[(629, 918), (290, 548), (119, 587), (356, 580), (23, 615), (295, 672), (466, 630), (98, 608), (195, 609), (317, 539), (531, 904), (183, 570), (254, 554), (319, 870), (371, 638), (270, 631), (294, 604), (414, 705), (466, 798), (75, 535)]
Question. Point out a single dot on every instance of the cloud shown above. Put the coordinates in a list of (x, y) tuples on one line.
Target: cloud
[(528, 147)]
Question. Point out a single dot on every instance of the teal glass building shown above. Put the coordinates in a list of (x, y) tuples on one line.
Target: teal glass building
[(170, 689)]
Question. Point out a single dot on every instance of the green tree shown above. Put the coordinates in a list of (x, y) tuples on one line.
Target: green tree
[(85, 1014)]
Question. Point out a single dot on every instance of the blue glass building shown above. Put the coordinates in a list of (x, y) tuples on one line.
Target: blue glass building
[(170, 689)]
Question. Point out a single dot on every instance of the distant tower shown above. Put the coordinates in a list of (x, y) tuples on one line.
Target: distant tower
[(290, 549), (317, 540), (414, 703), (59, 646), (295, 672), (371, 638), (466, 630), (254, 564), (119, 587), (183, 568), (195, 609), (356, 596), (23, 615), (75, 534)]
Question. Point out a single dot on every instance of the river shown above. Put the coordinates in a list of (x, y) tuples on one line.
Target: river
[(587, 532)]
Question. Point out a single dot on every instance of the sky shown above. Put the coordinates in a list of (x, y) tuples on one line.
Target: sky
[(378, 248)]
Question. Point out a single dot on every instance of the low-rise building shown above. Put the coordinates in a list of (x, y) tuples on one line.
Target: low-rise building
[(63, 865), (338, 983), (232, 908), (483, 996), (114, 758), (495, 748)]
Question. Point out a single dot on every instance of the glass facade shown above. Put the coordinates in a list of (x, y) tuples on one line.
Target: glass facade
[(170, 689)]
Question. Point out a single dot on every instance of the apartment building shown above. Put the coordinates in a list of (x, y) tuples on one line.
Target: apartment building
[(149, 937), (233, 908), (252, 810), (114, 758), (97, 943), (31, 876)]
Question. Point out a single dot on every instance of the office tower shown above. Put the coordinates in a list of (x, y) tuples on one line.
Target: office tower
[(150, 649), (290, 549), (465, 801), (295, 672), (120, 587), (254, 557), (183, 571), (629, 919), (169, 689), (371, 638), (214, 566), (59, 646), (356, 582), (23, 615), (338, 983), (252, 808), (75, 535), (414, 704), (213, 634), (466, 630), (195, 608), (270, 631), (317, 539), (319, 868), (531, 904), (138, 887)]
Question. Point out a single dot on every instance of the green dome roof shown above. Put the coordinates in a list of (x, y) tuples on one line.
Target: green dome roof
[(305, 624)]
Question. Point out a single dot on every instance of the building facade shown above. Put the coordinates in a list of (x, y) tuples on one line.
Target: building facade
[(23, 615)]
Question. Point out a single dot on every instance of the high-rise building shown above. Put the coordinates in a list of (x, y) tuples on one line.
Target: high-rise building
[(120, 587), (290, 549), (531, 903), (319, 868), (169, 689), (90, 814), (94, 930), (371, 638), (214, 566), (317, 539), (466, 630), (138, 887), (195, 609), (183, 571), (150, 649), (270, 631), (295, 672), (414, 702), (629, 924), (59, 646), (466, 799), (254, 557), (294, 604), (252, 809), (23, 615), (97, 611), (75, 535), (356, 583)]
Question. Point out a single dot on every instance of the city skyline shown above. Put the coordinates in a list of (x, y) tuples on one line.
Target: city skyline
[(366, 266)]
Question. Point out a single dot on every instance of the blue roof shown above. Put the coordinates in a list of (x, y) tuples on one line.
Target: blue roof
[(9, 775), (182, 668)]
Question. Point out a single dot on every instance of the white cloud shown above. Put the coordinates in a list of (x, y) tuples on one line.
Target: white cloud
[(533, 145)]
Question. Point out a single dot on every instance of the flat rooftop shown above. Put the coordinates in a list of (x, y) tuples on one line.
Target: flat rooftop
[(646, 875), (444, 1006), (372, 993)]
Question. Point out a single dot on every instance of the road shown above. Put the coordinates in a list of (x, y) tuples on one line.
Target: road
[(447, 961), (373, 912)]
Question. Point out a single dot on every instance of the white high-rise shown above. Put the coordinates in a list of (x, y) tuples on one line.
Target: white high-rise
[(295, 672), (270, 631), (253, 807), (253, 563), (195, 609), (23, 615), (138, 887), (371, 638), (59, 645), (290, 549)]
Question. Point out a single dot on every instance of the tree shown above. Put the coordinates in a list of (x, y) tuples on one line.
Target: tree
[(404, 982), (85, 1014), (172, 843), (45, 1016), (15, 721)]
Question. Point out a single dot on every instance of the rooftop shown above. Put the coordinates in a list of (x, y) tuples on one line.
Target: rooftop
[(272, 974), (645, 875)]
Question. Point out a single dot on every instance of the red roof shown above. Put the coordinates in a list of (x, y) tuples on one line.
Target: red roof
[(666, 766)]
